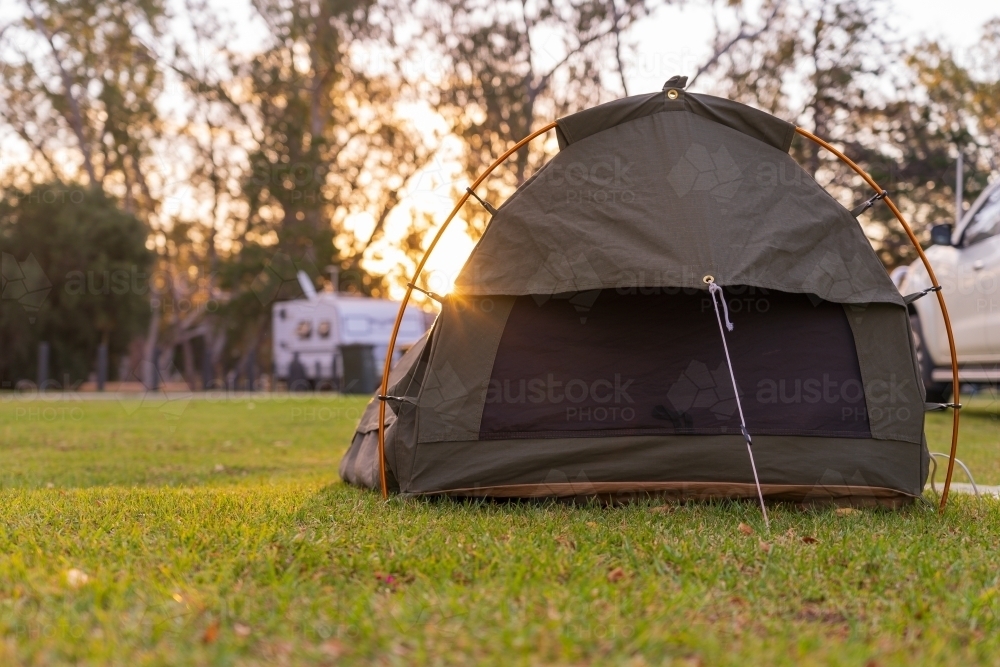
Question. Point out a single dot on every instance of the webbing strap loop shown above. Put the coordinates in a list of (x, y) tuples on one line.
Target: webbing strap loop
[(868, 203), (488, 206), (910, 298), (432, 295)]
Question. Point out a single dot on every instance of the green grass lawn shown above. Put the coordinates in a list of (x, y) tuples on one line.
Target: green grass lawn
[(214, 532)]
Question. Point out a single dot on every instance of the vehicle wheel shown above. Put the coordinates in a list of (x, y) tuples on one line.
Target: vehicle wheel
[(937, 392)]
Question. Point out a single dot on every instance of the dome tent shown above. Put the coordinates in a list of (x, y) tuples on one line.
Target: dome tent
[(580, 351)]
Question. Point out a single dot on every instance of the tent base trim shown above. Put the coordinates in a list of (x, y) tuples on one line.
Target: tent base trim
[(803, 493)]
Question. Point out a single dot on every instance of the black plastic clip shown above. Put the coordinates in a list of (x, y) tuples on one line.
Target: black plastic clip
[(488, 206), (868, 203), (676, 82), (746, 435), (938, 407), (910, 298), (432, 295), (398, 399)]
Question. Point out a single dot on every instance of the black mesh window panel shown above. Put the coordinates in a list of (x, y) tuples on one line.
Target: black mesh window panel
[(651, 361)]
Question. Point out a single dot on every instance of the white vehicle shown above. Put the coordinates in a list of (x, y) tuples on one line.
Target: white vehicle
[(966, 260), (339, 340)]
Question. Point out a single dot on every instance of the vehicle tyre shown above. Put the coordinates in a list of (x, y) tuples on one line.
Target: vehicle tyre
[(937, 392)]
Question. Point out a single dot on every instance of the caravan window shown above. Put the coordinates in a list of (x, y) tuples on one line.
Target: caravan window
[(304, 329)]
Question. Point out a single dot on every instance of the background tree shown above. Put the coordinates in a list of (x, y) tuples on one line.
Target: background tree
[(504, 65), (78, 75), (76, 273), (327, 149)]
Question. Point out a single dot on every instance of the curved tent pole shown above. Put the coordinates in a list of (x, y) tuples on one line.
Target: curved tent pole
[(409, 290), (940, 297)]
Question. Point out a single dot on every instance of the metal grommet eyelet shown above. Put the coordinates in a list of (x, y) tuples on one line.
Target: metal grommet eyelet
[(672, 94), (708, 280)]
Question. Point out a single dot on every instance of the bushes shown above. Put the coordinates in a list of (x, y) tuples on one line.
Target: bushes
[(75, 272)]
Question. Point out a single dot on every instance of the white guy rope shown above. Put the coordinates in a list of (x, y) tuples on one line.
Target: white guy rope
[(933, 458), (714, 290)]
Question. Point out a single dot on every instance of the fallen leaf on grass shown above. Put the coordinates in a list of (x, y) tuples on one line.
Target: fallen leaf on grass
[(332, 648), (393, 580), (809, 539), (567, 542), (765, 546), (616, 575), (844, 511), (387, 579), (745, 529), (241, 630), (211, 633), (76, 578)]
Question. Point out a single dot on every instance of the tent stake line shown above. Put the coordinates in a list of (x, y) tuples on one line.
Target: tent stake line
[(805, 133), (717, 295), (409, 290), (937, 290)]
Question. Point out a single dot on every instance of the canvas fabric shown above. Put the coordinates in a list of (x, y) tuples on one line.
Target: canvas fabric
[(454, 389), (752, 122), (815, 462), (894, 392), (663, 201), (360, 464)]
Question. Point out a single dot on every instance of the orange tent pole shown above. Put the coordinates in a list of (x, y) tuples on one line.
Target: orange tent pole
[(409, 290), (940, 296)]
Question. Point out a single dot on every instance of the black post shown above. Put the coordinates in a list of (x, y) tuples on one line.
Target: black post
[(251, 373), (43, 365), (206, 365), (156, 369), (102, 366)]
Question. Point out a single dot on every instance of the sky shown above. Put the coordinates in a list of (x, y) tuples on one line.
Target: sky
[(676, 40)]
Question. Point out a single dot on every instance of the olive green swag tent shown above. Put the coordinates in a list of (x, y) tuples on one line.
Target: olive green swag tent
[(581, 351)]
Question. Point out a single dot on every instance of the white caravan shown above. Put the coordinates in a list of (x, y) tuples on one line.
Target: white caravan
[(327, 329)]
